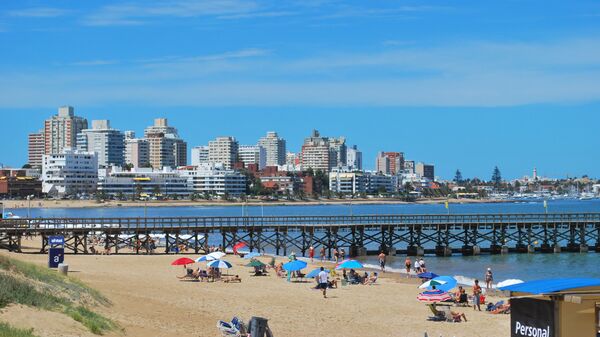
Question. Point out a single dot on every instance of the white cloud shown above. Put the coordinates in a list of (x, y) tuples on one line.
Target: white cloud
[(133, 14), (474, 74), (38, 12)]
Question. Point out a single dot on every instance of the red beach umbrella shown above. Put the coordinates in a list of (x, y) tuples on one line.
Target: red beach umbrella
[(238, 246), (182, 261), (433, 296)]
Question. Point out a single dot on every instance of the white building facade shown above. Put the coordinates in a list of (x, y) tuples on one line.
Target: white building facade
[(253, 154), (145, 183), (275, 148), (69, 173), (214, 179), (199, 155), (109, 144)]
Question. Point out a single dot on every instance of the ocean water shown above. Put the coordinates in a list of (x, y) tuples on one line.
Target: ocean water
[(520, 266)]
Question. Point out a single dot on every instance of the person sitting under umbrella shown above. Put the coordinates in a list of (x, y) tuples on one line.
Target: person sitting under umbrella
[(371, 280), (456, 316)]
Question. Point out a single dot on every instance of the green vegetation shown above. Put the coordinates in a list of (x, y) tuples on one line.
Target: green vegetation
[(34, 286), (97, 324), (8, 331)]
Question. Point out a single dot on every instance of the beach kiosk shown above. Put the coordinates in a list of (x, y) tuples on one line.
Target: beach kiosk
[(555, 308)]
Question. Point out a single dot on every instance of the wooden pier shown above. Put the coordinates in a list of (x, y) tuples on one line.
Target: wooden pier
[(443, 235)]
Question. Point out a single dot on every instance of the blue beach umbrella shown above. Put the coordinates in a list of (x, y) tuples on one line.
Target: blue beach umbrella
[(219, 264), (294, 265), (251, 255), (315, 272), (349, 264), (443, 283), (201, 258), (427, 275)]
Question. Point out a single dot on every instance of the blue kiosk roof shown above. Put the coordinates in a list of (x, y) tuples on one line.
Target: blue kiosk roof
[(552, 285)]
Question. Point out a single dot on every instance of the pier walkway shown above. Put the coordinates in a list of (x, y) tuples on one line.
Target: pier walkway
[(411, 234)]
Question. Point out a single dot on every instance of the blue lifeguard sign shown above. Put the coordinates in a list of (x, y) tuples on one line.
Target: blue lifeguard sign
[(56, 254)]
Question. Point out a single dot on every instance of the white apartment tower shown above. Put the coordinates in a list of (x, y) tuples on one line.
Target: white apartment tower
[(253, 154), (274, 147), (223, 150), (109, 144), (354, 158), (199, 155), (69, 172), (61, 131)]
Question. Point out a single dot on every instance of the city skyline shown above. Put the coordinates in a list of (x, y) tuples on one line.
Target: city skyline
[(463, 85), (429, 152)]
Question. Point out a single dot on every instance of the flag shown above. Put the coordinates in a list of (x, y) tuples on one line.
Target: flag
[(545, 203), (446, 204)]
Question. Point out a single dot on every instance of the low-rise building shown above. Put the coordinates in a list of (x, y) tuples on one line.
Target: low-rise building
[(144, 183), (214, 179), (70, 172), (19, 185), (347, 182)]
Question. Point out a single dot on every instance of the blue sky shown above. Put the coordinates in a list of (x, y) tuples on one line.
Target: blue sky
[(462, 84)]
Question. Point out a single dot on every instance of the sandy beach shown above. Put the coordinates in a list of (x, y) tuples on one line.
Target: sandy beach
[(148, 300), (43, 203)]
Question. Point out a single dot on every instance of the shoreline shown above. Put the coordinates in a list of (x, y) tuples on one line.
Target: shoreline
[(41, 203)]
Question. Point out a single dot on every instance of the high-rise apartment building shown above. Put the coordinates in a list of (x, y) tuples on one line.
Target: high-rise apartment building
[(389, 162), (223, 150), (274, 147), (425, 171), (323, 153), (165, 147), (409, 166), (137, 152), (354, 158), (61, 131), (199, 155), (36, 147), (253, 154), (107, 143)]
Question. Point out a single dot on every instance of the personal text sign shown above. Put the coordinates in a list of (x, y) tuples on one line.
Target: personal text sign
[(531, 318)]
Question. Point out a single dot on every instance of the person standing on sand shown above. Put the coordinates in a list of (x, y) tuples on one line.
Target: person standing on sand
[(422, 265), (311, 253), (417, 266), (407, 264), (476, 296), (489, 279), (322, 253), (335, 255), (342, 254), (382, 261), (322, 277)]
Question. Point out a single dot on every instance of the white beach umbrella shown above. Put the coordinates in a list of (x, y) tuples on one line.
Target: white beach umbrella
[(430, 283), (508, 282), (219, 264), (214, 256)]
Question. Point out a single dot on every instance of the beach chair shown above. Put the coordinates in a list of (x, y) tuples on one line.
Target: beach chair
[(235, 328), (438, 316)]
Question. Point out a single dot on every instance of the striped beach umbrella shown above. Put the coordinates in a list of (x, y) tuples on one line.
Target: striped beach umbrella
[(221, 264), (433, 296), (214, 256)]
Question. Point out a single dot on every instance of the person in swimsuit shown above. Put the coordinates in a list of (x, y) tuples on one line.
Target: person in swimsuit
[(382, 261), (476, 296), (407, 264), (311, 253), (489, 279), (322, 253)]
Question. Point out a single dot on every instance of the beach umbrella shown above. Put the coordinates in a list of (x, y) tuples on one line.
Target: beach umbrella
[(433, 282), (202, 258), (349, 264), (214, 256), (294, 265), (444, 283), (313, 273), (255, 263), (221, 264), (251, 255), (427, 275), (432, 296), (238, 246), (508, 282), (182, 261)]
